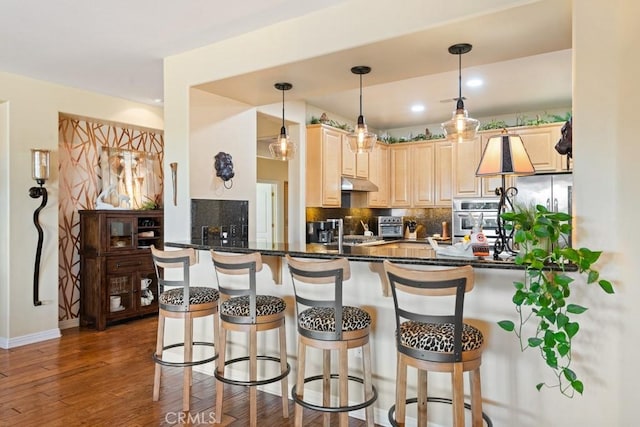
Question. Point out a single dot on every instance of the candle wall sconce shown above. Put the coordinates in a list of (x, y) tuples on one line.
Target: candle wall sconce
[(40, 173)]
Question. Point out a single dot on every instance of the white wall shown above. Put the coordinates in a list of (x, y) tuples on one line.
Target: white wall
[(32, 108), (605, 177)]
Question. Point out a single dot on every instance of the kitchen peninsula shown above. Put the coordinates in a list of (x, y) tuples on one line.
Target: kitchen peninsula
[(488, 303)]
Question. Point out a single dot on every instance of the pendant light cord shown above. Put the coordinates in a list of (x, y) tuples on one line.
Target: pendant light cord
[(460, 76), (282, 107), (360, 94)]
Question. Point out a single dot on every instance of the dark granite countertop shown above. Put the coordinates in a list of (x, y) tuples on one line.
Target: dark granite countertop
[(401, 251)]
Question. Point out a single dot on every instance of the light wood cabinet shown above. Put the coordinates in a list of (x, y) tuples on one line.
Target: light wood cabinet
[(416, 178), (540, 142), (354, 164), (323, 166), (443, 173), (379, 175), (466, 157), (400, 170), (115, 263)]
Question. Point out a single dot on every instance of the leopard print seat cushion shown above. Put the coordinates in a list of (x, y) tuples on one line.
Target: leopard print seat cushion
[(322, 319), (265, 305), (438, 337), (197, 295)]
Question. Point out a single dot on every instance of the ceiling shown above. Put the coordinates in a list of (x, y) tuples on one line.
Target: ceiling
[(522, 54)]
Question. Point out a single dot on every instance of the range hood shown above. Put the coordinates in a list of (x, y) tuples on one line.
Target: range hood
[(357, 184)]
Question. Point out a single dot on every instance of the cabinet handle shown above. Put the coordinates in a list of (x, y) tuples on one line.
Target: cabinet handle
[(125, 264)]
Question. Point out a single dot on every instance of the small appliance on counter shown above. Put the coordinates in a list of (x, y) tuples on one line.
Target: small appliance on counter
[(320, 232), (390, 227)]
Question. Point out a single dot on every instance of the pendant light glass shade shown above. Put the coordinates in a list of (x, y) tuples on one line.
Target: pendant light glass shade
[(283, 148), (361, 140), (461, 126)]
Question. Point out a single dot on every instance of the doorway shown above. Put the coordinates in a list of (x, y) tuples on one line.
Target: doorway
[(266, 202)]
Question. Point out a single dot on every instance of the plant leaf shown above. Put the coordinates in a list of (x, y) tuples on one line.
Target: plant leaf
[(593, 276), (572, 329), (539, 386), (534, 342), (569, 374), (563, 349), (577, 386), (606, 286), (576, 309), (507, 325)]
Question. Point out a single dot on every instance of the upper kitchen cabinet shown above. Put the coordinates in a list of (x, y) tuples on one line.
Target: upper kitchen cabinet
[(417, 177), (379, 175), (466, 157), (540, 142), (443, 173), (354, 165), (323, 166)]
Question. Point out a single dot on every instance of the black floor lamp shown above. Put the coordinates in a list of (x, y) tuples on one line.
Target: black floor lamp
[(40, 173), (504, 155)]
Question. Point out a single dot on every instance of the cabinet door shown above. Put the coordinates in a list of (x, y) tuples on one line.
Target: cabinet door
[(348, 160), (423, 158), (540, 143), (400, 175), (443, 173), (379, 175), (466, 157), (362, 165), (331, 154), (323, 166), (120, 233)]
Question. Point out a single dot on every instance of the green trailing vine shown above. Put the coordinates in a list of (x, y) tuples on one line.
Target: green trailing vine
[(543, 298)]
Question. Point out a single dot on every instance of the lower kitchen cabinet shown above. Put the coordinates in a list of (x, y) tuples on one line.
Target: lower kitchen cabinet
[(117, 276)]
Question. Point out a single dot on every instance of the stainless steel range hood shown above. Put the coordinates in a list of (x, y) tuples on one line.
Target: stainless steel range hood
[(357, 184)]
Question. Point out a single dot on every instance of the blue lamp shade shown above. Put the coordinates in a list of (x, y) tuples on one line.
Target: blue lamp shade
[(505, 154)]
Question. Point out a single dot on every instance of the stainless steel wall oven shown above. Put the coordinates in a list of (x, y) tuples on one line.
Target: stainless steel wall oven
[(465, 209)]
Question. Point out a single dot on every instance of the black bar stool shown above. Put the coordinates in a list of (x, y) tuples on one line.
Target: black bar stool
[(317, 327), (242, 309), (435, 342), (180, 300)]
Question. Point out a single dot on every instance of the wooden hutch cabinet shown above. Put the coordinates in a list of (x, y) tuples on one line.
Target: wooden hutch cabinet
[(117, 277)]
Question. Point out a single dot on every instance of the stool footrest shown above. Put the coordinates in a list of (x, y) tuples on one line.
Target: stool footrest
[(159, 361), (392, 410), (249, 383), (334, 409)]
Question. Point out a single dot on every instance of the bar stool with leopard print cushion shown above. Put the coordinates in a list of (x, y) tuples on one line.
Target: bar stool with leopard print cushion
[(438, 341), (243, 309), (179, 300), (329, 325)]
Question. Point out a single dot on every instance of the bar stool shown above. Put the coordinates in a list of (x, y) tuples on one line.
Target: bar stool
[(242, 309), (182, 301), (435, 342), (317, 328)]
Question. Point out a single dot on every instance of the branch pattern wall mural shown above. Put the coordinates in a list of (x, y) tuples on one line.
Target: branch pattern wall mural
[(83, 143)]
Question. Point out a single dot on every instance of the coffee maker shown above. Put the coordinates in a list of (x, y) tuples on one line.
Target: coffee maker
[(320, 232)]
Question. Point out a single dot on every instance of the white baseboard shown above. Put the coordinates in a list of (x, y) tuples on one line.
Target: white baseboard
[(7, 343), (69, 323)]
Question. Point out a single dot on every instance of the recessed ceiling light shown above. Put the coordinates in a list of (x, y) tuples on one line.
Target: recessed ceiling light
[(417, 108), (474, 82)]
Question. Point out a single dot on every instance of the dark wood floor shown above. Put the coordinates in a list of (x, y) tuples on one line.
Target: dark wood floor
[(105, 378)]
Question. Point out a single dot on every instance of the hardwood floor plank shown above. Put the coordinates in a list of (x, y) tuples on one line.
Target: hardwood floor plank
[(105, 378)]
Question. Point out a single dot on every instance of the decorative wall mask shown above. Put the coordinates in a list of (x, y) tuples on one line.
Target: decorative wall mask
[(224, 168), (565, 143)]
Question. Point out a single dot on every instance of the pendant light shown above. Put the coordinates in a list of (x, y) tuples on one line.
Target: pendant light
[(461, 126), (361, 140), (283, 148)]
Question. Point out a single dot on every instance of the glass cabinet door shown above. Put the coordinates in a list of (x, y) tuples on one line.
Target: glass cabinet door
[(121, 295), (120, 233)]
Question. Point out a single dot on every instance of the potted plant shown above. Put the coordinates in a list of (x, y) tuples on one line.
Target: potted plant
[(543, 299)]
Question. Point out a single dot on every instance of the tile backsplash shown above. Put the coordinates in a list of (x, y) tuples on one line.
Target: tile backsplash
[(219, 220)]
